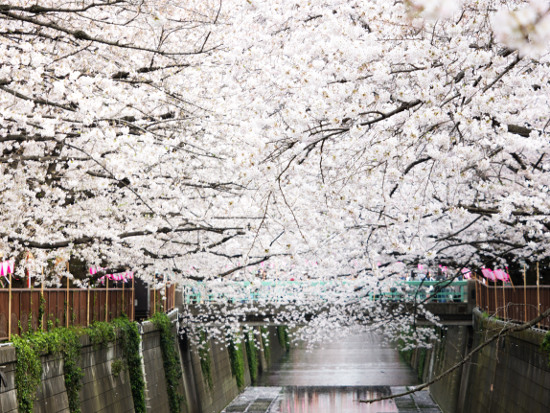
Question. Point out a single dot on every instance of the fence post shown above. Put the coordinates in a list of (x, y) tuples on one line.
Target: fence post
[(486, 286), (42, 299), (67, 305), (478, 298), (524, 294), (9, 310), (496, 300), (87, 305), (154, 301), (538, 293), (133, 300), (106, 297), (504, 301)]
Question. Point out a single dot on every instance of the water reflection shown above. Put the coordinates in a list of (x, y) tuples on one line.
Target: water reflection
[(332, 399), (360, 360)]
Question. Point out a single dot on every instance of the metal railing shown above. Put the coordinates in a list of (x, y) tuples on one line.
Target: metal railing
[(426, 291), (291, 291)]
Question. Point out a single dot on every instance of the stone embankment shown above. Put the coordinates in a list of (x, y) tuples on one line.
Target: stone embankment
[(509, 375), (207, 384)]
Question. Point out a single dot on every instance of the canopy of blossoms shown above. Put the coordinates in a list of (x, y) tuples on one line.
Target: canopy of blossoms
[(330, 139)]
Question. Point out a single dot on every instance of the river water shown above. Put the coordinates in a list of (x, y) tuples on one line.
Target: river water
[(332, 378), (361, 360)]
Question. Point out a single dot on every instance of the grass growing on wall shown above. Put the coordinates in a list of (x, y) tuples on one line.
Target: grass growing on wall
[(205, 358), (237, 362), (252, 355), (172, 367)]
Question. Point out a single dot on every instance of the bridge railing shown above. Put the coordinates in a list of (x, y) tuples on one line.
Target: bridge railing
[(519, 304), (290, 291), (426, 291), (264, 291)]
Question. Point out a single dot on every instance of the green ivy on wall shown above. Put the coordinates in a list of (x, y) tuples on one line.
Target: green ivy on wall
[(70, 349), (545, 345), (66, 342), (130, 342), (101, 333), (205, 358), (41, 311), (28, 371), (282, 334), (252, 355), (117, 366), (237, 361), (172, 367), (264, 334)]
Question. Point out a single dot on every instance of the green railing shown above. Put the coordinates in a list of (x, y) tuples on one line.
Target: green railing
[(425, 291), (299, 291)]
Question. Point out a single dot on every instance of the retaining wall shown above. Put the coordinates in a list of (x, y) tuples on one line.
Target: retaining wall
[(8, 395), (103, 393), (509, 375)]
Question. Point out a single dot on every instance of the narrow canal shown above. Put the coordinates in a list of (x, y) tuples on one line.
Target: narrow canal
[(333, 378)]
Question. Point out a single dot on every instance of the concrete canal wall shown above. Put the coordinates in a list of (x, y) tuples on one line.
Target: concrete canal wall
[(510, 375), (205, 390)]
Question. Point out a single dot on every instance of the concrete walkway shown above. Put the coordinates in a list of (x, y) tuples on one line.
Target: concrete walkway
[(271, 400)]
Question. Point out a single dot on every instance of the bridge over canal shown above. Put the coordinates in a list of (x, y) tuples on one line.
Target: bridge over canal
[(451, 302)]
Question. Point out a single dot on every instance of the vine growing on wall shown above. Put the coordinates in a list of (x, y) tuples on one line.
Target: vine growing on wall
[(205, 358), (28, 371), (545, 345), (101, 333), (70, 349), (66, 342), (252, 355), (41, 311), (130, 341), (282, 334), (172, 367), (237, 361), (264, 334)]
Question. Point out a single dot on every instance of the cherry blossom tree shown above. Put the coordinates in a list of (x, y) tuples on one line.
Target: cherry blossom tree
[(105, 155), (334, 138), (398, 132), (387, 134)]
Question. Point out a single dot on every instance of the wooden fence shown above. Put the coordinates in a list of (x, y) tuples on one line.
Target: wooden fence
[(73, 306), (518, 303), (162, 300), (61, 307)]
